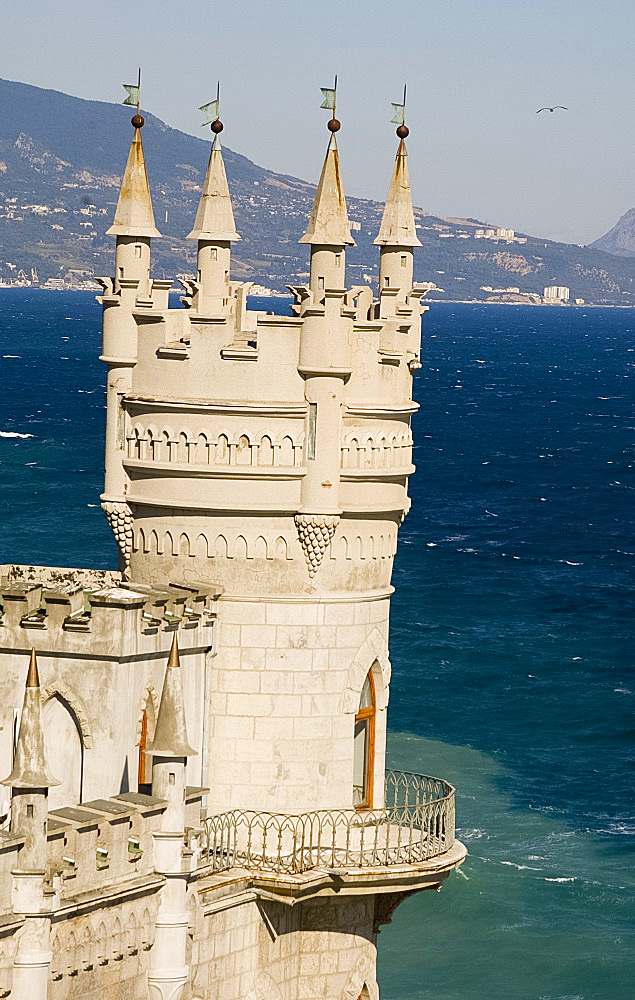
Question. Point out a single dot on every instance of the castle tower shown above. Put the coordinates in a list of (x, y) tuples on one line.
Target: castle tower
[(130, 290), (274, 462)]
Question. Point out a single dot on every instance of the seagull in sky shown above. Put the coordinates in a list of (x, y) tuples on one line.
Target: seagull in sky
[(552, 109)]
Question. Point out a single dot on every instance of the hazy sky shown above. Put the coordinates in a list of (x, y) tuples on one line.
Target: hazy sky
[(476, 73)]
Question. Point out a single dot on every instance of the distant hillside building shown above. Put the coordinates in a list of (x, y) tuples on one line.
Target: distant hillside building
[(556, 293)]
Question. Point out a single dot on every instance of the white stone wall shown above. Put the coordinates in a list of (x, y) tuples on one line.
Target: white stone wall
[(319, 950), (285, 690), (267, 951)]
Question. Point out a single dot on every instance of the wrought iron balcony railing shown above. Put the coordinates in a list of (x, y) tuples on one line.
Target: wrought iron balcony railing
[(416, 824)]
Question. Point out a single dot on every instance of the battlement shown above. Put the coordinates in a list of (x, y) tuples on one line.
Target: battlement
[(68, 604), (214, 360), (96, 844)]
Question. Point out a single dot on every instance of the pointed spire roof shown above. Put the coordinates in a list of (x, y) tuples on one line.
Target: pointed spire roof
[(134, 215), (328, 222), (30, 769), (170, 735), (398, 222), (215, 216)]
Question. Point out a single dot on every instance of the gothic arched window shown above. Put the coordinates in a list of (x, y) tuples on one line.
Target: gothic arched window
[(64, 747), (364, 746)]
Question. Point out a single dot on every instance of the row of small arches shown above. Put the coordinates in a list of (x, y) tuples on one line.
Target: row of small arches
[(98, 942), (388, 451), (205, 448), (376, 546), (221, 547)]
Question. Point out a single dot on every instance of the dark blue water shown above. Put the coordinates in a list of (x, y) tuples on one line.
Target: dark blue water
[(512, 635)]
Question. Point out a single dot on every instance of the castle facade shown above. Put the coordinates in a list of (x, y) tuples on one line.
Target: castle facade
[(198, 803)]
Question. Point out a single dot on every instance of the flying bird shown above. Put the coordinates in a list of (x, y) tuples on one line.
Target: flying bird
[(552, 109)]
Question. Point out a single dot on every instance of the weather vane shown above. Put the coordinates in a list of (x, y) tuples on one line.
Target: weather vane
[(211, 112), (399, 117), (134, 100), (330, 95)]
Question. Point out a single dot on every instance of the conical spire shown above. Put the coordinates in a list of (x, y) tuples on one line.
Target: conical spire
[(398, 222), (170, 735), (328, 222), (215, 217), (134, 215), (30, 769)]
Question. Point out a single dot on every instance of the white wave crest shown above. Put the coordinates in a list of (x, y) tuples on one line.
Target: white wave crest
[(14, 434), (572, 879), (619, 829)]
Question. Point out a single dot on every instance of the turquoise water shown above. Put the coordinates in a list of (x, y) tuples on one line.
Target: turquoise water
[(512, 638)]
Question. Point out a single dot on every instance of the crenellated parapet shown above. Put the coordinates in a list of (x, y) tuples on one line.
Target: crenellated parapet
[(75, 606)]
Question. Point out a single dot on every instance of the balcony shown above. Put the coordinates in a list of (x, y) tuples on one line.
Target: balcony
[(409, 843)]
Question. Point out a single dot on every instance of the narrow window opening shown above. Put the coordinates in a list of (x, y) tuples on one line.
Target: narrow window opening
[(338, 259), (172, 778), (321, 284), (404, 260), (311, 432), (364, 746), (121, 272), (137, 251), (198, 275), (213, 254), (386, 282), (142, 770), (29, 812)]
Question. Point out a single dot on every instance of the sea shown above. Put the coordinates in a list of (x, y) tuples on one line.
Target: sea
[(512, 637)]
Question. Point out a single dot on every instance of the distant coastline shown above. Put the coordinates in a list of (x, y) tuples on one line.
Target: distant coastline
[(279, 295)]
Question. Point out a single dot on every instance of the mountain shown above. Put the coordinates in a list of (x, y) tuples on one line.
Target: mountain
[(621, 238), (61, 160)]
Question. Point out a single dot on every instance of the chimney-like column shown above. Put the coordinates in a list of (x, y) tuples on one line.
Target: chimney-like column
[(30, 781), (168, 972), (397, 236)]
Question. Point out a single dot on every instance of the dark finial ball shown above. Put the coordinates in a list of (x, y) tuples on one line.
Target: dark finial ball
[(217, 126), (403, 132), (138, 121), (333, 125)]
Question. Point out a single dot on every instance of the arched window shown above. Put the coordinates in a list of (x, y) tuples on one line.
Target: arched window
[(64, 748), (364, 746)]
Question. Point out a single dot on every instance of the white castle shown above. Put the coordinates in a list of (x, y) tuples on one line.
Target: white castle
[(224, 827)]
